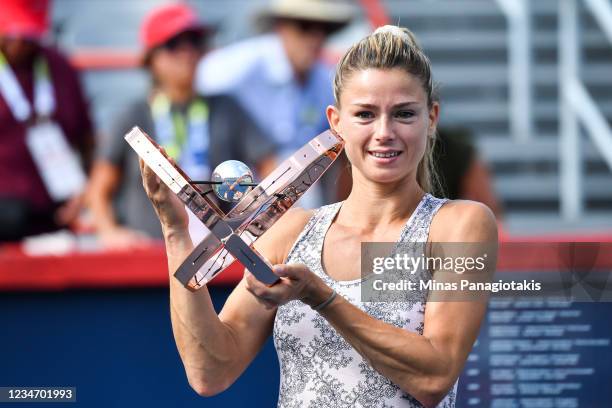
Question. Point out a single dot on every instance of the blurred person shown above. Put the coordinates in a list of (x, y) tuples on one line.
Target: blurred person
[(197, 132), (280, 77), (336, 349), (46, 136), (462, 174)]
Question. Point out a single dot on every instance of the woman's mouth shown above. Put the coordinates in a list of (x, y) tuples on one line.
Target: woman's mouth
[(384, 156)]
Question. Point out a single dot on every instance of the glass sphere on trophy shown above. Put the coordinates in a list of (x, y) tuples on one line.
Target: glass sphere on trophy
[(258, 206)]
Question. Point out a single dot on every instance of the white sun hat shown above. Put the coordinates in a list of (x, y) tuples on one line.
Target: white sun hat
[(333, 12)]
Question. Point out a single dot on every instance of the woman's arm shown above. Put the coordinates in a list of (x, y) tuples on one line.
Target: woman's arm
[(215, 349), (105, 178), (426, 366)]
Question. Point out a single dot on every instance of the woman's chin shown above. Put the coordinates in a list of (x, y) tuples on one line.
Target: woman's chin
[(386, 177)]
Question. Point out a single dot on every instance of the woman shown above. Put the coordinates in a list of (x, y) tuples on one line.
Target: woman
[(197, 132), (345, 352)]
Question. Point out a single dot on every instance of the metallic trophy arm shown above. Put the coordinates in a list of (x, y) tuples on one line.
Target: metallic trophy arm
[(221, 233), (273, 197), (232, 235)]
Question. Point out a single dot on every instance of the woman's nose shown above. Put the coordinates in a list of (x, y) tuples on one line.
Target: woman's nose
[(384, 130)]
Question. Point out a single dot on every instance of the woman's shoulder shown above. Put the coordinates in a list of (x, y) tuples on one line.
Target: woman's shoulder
[(294, 220), (463, 221), (277, 241)]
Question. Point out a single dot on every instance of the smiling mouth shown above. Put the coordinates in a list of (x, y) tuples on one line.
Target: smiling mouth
[(385, 155)]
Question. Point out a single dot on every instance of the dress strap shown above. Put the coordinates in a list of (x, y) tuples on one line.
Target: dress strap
[(316, 227), (417, 227)]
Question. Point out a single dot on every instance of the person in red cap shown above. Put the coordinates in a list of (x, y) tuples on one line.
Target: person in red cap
[(45, 130), (197, 132)]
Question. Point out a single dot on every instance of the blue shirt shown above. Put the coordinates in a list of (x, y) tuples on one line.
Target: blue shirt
[(258, 74)]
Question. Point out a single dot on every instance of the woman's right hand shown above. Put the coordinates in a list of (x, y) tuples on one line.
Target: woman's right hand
[(169, 208)]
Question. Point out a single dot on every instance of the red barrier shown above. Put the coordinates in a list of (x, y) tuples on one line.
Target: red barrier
[(117, 269), (148, 268), (105, 59)]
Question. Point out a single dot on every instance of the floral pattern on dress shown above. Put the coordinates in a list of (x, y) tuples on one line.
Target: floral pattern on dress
[(319, 368)]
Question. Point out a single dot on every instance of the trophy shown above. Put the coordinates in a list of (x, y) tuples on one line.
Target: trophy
[(231, 236)]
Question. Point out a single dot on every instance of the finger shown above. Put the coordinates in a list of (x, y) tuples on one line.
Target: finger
[(292, 271), (254, 286), (280, 270), (151, 182), (145, 170), (264, 293), (260, 296)]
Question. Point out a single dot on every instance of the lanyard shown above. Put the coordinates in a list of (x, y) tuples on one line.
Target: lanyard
[(184, 136), (13, 94)]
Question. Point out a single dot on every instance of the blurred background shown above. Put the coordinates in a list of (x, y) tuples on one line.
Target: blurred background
[(526, 95), (498, 66)]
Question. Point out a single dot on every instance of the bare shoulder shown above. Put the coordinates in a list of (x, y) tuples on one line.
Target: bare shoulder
[(463, 221), (294, 220), (277, 241)]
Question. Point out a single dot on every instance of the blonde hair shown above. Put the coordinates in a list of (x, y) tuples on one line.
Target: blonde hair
[(387, 48)]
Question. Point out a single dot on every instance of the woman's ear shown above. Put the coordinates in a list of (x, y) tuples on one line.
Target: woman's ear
[(333, 117), (434, 116)]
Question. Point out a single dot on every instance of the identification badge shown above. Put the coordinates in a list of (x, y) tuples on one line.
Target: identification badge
[(56, 161)]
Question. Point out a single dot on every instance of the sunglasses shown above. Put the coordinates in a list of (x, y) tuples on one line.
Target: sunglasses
[(309, 26), (191, 39)]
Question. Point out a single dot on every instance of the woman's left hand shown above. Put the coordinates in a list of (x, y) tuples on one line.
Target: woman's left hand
[(297, 282)]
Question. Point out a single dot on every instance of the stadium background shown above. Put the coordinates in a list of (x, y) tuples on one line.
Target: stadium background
[(100, 321)]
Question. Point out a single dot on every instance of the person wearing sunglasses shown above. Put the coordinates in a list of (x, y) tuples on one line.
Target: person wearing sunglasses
[(197, 132), (285, 68)]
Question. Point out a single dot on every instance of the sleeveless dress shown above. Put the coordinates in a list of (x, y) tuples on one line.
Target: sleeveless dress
[(318, 367)]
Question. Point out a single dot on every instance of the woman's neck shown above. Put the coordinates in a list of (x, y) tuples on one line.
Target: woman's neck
[(373, 206)]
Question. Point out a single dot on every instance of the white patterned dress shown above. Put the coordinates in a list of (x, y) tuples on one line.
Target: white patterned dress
[(318, 367)]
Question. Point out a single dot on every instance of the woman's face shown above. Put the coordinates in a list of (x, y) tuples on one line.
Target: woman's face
[(385, 120), (175, 62)]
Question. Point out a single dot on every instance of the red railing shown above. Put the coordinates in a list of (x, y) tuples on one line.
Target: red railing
[(148, 267)]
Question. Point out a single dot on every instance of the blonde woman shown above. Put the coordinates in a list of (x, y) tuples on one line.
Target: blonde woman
[(335, 350)]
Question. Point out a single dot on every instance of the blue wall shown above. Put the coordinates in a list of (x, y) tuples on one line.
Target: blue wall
[(116, 347)]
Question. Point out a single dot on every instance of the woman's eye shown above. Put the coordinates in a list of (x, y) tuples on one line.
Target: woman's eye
[(405, 114), (364, 115)]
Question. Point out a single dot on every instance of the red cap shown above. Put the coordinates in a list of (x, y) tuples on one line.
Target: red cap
[(24, 18), (165, 22)]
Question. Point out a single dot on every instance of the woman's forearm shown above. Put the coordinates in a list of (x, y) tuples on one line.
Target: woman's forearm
[(424, 366), (406, 358), (205, 344)]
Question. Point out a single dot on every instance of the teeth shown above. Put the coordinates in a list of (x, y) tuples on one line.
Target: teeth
[(384, 155)]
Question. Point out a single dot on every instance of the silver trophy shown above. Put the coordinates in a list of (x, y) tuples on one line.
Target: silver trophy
[(258, 207)]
